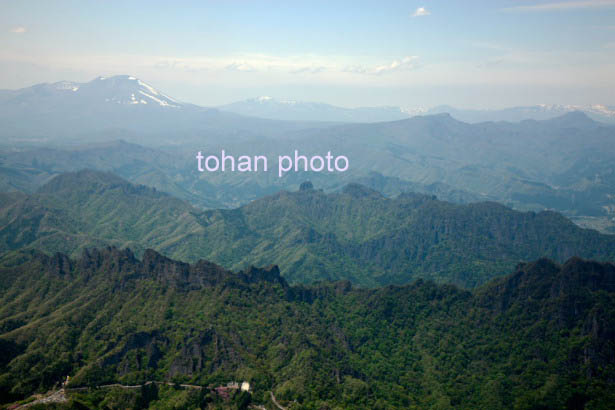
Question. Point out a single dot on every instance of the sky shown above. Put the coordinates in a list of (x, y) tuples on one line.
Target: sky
[(413, 54)]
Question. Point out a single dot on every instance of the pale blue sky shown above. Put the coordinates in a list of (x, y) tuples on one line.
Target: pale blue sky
[(351, 53)]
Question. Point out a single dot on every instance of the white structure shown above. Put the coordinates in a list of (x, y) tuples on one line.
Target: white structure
[(245, 386)]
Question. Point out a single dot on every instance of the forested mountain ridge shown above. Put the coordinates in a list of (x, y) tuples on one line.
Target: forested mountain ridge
[(541, 337), (354, 234), (564, 163)]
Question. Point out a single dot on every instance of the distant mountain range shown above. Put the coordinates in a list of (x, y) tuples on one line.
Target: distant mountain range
[(540, 338), (130, 280), (268, 107), (597, 112), (356, 234), (126, 107), (563, 163), (123, 106)]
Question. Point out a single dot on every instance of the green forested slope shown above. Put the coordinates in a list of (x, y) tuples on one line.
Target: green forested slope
[(542, 337), (355, 234)]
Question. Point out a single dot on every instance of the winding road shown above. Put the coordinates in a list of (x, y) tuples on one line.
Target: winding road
[(275, 402)]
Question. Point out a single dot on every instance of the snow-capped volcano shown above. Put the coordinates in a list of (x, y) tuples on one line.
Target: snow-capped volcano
[(119, 102), (120, 89), (119, 105), (124, 89)]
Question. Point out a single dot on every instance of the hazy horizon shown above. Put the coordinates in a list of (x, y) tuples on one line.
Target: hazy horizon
[(474, 54), (417, 108)]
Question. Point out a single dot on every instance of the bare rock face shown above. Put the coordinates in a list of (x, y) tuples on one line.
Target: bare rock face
[(165, 269), (268, 274), (109, 259)]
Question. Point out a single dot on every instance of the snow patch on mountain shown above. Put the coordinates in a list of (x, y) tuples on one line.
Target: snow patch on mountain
[(120, 89), (65, 86)]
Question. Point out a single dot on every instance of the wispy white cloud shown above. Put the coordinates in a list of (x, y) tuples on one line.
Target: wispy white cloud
[(295, 65), (18, 30), (420, 12), (240, 66), (590, 68), (309, 70), (183, 76), (564, 5), (406, 63)]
